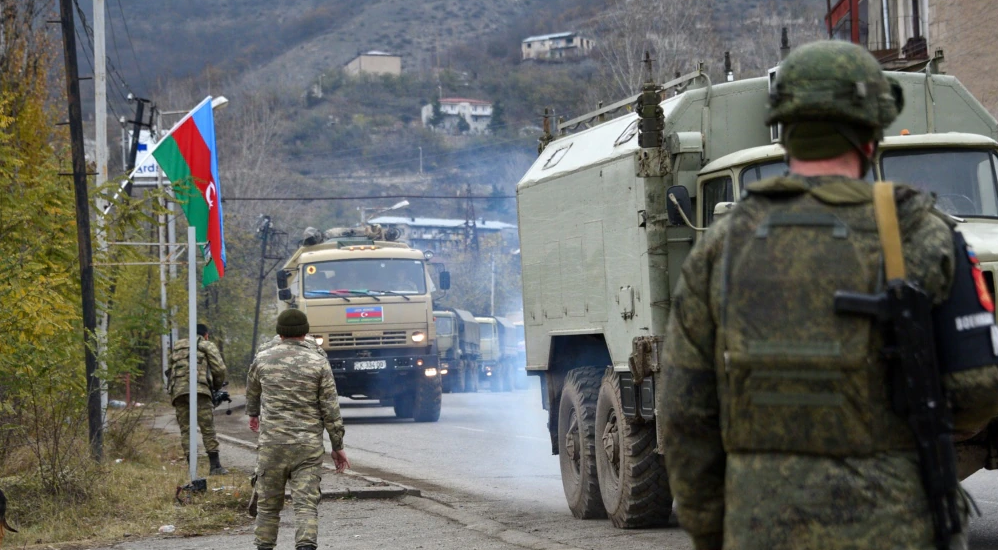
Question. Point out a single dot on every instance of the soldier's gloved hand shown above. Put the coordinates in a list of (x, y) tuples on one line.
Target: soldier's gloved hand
[(254, 424), (340, 459)]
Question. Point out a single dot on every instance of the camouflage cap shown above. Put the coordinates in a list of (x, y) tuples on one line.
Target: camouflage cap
[(834, 81), (292, 323)]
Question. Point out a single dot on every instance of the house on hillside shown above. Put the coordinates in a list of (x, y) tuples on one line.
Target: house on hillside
[(906, 34), (375, 62), (442, 235), (475, 113), (556, 47)]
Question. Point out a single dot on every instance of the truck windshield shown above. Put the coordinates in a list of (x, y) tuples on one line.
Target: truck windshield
[(445, 326), (358, 277), (762, 170), (963, 180)]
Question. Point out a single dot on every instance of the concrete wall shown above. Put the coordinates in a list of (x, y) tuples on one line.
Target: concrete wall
[(965, 30)]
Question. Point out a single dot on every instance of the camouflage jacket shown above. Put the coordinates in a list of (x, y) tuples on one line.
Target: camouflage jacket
[(309, 342), (291, 389), (730, 497), (209, 363)]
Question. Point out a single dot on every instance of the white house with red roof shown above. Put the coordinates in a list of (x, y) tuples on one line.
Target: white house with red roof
[(476, 112)]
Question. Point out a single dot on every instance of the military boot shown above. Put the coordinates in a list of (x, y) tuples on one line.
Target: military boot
[(305, 547), (216, 465)]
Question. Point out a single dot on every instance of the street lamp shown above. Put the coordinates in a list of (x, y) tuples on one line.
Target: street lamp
[(377, 211)]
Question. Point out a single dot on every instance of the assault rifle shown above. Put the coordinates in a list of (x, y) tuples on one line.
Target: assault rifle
[(905, 313)]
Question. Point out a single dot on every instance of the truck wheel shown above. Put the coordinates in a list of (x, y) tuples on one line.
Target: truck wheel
[(632, 476), (577, 442), (456, 377), (426, 407), (404, 404), (471, 376)]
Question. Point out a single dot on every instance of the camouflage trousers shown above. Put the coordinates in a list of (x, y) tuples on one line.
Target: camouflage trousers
[(206, 421), (298, 467)]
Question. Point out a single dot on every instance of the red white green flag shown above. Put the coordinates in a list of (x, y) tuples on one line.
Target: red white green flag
[(187, 155)]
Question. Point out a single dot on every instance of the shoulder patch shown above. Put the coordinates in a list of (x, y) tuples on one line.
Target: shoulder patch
[(983, 294)]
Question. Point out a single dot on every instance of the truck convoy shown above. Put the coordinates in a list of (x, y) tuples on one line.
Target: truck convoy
[(608, 214), (498, 352), (368, 300), (458, 344)]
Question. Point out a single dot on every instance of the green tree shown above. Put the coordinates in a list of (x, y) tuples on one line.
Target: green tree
[(498, 121), (462, 125), (438, 116)]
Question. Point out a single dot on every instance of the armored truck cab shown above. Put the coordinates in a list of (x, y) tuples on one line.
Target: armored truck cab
[(368, 301), (606, 221), (458, 343)]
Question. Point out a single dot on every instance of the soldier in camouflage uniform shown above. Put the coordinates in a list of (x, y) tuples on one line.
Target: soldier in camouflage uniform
[(309, 342), (211, 376), (779, 428), (290, 399)]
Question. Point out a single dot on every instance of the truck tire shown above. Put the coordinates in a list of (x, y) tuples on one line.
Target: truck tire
[(577, 442), (404, 403), (632, 476), (471, 376), (426, 407), (455, 377)]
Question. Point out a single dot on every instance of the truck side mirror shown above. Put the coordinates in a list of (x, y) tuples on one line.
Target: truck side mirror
[(284, 294), (678, 205), (444, 280), (282, 280)]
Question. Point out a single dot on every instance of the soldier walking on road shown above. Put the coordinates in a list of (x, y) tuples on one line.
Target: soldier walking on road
[(211, 377), (290, 399), (786, 423)]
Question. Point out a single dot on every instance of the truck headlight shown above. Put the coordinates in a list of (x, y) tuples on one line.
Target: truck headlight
[(418, 337), (430, 372), (319, 340)]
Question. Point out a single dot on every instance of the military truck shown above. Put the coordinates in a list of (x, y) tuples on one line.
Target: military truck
[(498, 352), (606, 218), (458, 343), (369, 305)]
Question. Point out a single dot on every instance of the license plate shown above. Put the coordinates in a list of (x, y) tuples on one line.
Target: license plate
[(369, 365)]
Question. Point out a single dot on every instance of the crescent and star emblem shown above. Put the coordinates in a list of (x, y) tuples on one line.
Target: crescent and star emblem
[(209, 194)]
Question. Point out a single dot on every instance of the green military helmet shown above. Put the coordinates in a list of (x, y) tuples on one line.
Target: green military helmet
[(836, 82)]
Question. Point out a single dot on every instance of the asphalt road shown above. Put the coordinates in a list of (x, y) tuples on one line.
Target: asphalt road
[(489, 453)]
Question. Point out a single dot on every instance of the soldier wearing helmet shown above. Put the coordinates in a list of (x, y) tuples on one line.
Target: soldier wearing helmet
[(779, 424)]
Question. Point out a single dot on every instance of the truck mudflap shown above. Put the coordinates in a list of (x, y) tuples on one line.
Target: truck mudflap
[(637, 401)]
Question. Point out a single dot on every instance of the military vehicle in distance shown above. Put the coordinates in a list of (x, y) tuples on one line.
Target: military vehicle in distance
[(606, 219), (498, 339), (459, 346), (369, 305)]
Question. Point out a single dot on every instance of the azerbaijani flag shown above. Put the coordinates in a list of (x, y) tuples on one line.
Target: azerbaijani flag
[(187, 155), (362, 314)]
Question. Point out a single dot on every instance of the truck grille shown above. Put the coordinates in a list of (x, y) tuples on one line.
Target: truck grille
[(367, 339)]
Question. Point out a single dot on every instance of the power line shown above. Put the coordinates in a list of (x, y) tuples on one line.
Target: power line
[(131, 44)]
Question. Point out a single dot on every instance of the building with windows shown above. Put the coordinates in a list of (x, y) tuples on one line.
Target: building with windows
[(907, 34), (476, 113), (556, 47), (375, 62)]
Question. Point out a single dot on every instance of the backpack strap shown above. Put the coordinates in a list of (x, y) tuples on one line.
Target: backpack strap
[(889, 230)]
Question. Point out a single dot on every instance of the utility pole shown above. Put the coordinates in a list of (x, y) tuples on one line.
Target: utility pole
[(95, 420), (492, 294), (470, 229), (100, 113), (263, 232)]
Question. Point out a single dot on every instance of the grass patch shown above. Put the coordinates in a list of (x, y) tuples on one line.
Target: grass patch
[(116, 500)]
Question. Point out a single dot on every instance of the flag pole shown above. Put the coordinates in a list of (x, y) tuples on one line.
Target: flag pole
[(192, 322)]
